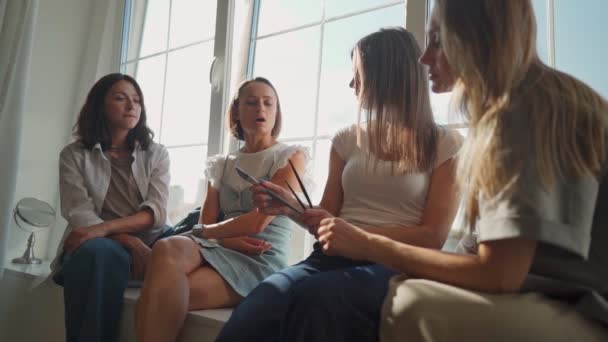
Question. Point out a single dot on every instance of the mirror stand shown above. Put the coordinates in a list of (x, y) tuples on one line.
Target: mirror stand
[(28, 256), (31, 215)]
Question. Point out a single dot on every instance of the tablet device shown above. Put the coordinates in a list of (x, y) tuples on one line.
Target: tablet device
[(249, 178)]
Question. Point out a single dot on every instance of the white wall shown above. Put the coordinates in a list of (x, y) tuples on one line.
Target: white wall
[(65, 62)]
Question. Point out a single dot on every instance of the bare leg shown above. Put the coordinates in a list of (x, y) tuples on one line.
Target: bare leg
[(208, 290), (163, 304)]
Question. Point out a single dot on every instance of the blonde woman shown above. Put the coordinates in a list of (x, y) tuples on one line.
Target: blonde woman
[(219, 264), (391, 175), (536, 195)]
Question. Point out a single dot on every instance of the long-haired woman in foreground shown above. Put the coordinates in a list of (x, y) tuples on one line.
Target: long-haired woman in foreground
[(534, 173), (392, 175)]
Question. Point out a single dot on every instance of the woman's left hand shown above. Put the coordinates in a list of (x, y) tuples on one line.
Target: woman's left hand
[(140, 253), (338, 237), (313, 217), (78, 236)]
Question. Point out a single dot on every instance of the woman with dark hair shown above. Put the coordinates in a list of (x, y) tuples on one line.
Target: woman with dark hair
[(392, 175), (114, 184), (235, 246)]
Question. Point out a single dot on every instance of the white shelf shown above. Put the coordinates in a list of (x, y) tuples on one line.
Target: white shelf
[(28, 271)]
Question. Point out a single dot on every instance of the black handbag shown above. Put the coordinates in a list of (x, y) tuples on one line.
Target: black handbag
[(187, 222)]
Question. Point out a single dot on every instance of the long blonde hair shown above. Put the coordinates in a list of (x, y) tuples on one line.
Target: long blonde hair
[(491, 47), (394, 94)]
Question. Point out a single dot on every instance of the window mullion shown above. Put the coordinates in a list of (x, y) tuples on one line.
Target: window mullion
[(415, 18), (253, 36), (220, 75), (163, 97), (550, 34)]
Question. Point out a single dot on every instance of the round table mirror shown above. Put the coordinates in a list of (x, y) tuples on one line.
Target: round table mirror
[(32, 215)]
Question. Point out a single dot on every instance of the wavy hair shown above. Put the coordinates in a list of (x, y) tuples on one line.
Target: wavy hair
[(92, 125), (491, 47)]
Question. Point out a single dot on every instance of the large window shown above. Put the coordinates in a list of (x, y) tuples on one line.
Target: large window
[(169, 51), (569, 38), (303, 47), (579, 36), (306, 54)]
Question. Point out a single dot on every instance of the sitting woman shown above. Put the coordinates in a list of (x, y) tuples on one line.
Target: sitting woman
[(114, 184), (219, 265), (392, 175), (534, 169)]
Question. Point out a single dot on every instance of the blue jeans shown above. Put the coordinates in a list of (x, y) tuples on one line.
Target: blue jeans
[(94, 279), (320, 299)]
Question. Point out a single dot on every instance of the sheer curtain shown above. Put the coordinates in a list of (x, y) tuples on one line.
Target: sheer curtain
[(17, 27), (101, 56)]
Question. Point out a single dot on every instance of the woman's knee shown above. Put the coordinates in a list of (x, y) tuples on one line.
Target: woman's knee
[(313, 291), (99, 250), (97, 255), (411, 308), (172, 250)]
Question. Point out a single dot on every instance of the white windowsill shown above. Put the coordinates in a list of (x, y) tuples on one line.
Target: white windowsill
[(28, 271), (212, 318)]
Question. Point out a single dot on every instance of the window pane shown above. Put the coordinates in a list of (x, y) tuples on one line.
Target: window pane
[(278, 15), (296, 245), (148, 27), (440, 104), (289, 61), (338, 7), (579, 33), (149, 73), (192, 21), (337, 101), (321, 168), (297, 248), (187, 98), (540, 10), (188, 185)]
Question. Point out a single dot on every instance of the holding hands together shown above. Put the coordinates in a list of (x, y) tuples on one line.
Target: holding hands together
[(313, 217), (270, 206), (81, 235), (246, 245), (140, 253), (338, 237)]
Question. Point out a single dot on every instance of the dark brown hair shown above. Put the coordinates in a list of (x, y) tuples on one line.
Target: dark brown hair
[(235, 127), (92, 125)]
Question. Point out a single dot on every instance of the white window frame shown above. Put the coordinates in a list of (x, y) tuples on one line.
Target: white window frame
[(220, 70), (226, 71)]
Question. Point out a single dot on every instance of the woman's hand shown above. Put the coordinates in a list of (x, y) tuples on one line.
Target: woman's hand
[(81, 235), (313, 217), (269, 206), (140, 253), (246, 245), (338, 237)]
